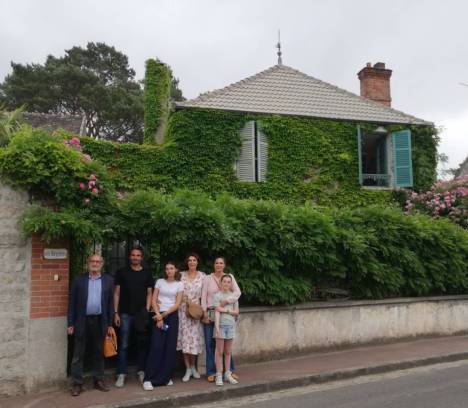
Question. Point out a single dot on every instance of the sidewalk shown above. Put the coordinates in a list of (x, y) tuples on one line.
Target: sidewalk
[(264, 377)]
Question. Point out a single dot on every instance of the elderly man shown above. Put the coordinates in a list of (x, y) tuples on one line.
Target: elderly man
[(90, 314)]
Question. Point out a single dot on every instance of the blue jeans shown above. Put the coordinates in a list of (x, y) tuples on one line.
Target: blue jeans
[(210, 348), (126, 327)]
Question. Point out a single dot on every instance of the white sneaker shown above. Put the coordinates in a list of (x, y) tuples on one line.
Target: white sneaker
[(228, 377), (170, 383), (147, 386), (141, 376), (120, 381), (195, 373), (219, 379), (188, 374)]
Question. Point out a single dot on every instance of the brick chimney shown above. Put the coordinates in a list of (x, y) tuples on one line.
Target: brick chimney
[(375, 83)]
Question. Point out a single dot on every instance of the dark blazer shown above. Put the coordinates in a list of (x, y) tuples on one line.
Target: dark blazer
[(79, 299)]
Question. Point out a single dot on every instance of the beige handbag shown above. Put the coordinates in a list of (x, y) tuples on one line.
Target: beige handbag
[(194, 310)]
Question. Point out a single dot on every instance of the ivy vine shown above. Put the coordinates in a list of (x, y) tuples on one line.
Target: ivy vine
[(310, 160), (156, 97)]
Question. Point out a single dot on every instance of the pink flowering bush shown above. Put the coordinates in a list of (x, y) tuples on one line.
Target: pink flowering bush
[(73, 143), (91, 189), (445, 199), (54, 167)]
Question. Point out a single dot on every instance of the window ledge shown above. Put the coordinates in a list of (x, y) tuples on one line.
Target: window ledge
[(377, 188)]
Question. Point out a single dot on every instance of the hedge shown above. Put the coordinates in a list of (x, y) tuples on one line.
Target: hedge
[(282, 253)]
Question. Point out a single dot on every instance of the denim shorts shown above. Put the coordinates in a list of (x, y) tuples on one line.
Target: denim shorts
[(226, 331)]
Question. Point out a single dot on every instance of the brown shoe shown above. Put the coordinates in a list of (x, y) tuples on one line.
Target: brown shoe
[(101, 386), (76, 390), (211, 378)]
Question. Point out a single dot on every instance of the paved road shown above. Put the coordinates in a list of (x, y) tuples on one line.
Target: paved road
[(438, 386)]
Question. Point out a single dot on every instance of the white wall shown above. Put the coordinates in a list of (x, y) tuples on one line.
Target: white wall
[(267, 332)]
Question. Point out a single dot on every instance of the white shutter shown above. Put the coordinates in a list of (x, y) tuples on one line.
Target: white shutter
[(262, 151), (246, 164)]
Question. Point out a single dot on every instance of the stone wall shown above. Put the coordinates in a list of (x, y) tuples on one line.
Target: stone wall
[(269, 332), (51, 122), (15, 275), (33, 304)]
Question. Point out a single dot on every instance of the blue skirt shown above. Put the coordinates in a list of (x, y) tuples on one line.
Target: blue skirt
[(161, 361)]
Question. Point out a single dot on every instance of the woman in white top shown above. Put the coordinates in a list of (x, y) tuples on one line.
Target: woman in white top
[(166, 300)]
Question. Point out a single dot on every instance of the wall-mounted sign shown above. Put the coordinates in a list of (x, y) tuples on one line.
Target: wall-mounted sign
[(55, 253)]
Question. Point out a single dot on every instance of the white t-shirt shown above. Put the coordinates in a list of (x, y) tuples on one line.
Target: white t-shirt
[(168, 293)]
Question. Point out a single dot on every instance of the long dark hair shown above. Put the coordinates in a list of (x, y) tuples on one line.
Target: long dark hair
[(177, 273)]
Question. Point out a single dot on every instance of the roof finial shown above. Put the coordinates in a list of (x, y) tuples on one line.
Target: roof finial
[(280, 61)]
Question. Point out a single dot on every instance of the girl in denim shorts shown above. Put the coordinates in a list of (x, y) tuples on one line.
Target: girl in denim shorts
[(225, 330)]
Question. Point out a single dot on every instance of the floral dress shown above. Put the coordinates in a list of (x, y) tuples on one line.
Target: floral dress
[(190, 338)]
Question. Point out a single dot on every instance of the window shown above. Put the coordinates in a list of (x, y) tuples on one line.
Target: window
[(253, 160), (385, 158)]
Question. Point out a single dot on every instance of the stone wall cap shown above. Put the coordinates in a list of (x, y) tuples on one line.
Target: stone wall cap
[(352, 303)]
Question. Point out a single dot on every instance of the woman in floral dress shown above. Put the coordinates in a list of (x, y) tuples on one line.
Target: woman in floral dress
[(190, 339)]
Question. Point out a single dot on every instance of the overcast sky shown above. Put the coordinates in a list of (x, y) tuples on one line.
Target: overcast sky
[(211, 43)]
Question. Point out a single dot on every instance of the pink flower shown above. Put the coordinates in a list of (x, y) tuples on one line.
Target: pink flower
[(82, 186), (95, 191), (91, 184), (87, 158), (87, 200), (75, 141), (93, 177)]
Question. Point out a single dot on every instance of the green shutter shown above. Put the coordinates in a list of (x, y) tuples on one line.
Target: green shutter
[(402, 164), (359, 153)]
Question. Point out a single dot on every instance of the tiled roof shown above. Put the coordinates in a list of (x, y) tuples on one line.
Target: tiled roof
[(51, 122), (287, 91)]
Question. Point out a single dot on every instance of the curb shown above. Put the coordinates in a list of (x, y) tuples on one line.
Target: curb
[(206, 396)]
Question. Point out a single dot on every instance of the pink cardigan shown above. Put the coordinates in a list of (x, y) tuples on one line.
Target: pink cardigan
[(210, 288)]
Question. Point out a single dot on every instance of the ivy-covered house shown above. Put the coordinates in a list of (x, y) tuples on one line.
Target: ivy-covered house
[(302, 137), (281, 135)]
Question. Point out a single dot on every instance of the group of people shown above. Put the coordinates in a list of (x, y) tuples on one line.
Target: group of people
[(156, 315)]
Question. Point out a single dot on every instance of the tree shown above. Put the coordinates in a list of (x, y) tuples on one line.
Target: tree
[(176, 93), (10, 122), (95, 81)]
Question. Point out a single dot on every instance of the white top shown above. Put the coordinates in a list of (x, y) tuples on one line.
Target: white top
[(168, 293)]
